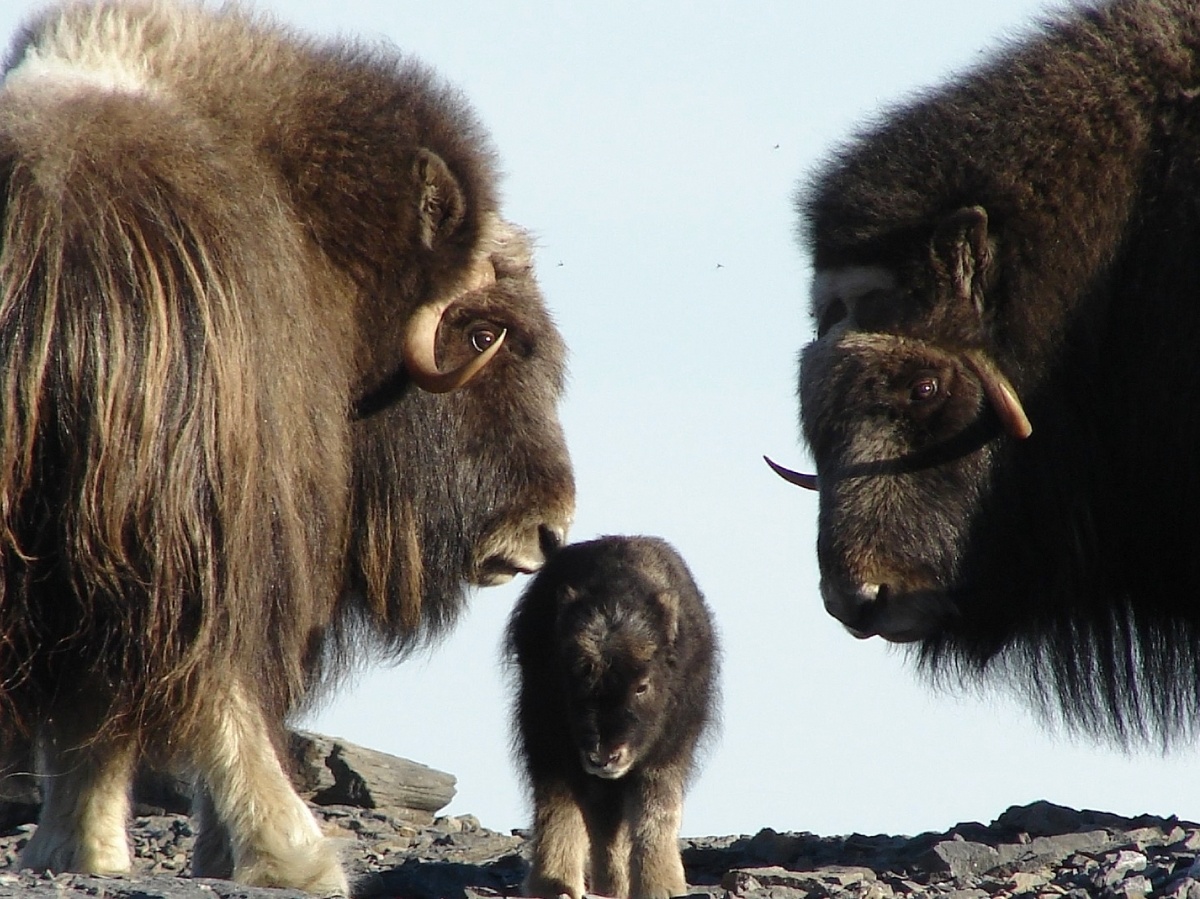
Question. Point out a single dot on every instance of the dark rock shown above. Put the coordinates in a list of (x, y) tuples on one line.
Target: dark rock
[(20, 796), (27, 885), (158, 792), (1040, 819), (1184, 888), (776, 848), (418, 879)]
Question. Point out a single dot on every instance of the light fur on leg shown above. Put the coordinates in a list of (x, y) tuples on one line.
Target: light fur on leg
[(610, 854), (272, 836), (656, 866), (560, 845), (85, 804)]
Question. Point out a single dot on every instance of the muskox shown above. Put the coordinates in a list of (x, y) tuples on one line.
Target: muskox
[(1001, 395), (616, 661), (277, 382)]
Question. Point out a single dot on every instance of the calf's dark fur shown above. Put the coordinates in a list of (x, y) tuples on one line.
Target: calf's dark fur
[(617, 663)]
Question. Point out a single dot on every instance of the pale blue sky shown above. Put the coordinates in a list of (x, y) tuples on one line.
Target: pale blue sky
[(653, 149)]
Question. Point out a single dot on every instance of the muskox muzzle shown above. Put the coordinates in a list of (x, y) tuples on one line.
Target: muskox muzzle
[(607, 762), (870, 610)]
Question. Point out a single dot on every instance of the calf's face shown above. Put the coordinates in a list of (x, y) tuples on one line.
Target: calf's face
[(617, 682)]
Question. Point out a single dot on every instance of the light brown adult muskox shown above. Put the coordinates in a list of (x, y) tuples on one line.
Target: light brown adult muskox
[(232, 258), (1002, 395), (616, 659)]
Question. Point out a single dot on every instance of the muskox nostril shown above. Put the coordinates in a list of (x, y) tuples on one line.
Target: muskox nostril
[(597, 757), (551, 540), (854, 606)]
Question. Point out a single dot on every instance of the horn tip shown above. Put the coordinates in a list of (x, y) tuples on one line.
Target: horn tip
[(807, 481)]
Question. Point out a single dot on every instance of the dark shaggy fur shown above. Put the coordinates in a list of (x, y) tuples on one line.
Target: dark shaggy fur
[(1034, 222), (215, 475), (616, 657)]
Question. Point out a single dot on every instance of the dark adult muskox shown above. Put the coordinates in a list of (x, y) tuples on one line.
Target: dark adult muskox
[(1017, 251), (232, 258), (616, 661)]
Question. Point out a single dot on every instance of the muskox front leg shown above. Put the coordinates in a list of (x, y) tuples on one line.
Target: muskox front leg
[(560, 844), (656, 813), (85, 781), (266, 835), (609, 830)]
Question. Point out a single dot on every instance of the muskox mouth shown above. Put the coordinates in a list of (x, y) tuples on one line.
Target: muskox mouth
[(881, 610), (607, 766), (496, 570), (515, 554)]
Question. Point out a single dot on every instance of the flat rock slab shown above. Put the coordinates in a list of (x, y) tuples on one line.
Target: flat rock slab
[(330, 771), (324, 770)]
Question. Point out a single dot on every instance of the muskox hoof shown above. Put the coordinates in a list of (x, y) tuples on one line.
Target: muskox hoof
[(320, 874), (57, 849)]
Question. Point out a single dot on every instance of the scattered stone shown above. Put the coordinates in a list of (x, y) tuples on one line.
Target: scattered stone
[(1092, 855), (1184, 888), (1189, 841), (1024, 882)]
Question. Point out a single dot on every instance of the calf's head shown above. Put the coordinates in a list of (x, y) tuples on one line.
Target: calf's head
[(617, 664)]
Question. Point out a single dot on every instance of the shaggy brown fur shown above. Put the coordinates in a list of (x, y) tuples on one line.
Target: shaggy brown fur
[(1028, 230), (616, 657), (214, 234)]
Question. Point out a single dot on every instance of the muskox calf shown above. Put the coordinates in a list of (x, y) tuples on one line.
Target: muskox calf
[(617, 661)]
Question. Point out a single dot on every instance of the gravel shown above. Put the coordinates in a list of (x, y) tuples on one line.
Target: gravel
[(1040, 850)]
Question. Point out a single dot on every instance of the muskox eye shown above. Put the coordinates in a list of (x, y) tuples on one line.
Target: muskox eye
[(642, 688), (482, 338), (924, 389)]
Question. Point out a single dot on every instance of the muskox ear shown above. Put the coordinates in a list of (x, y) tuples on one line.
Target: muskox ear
[(668, 602), (962, 253), (440, 205)]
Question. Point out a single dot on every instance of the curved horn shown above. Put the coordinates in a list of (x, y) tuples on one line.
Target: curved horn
[(1001, 394), (807, 481), (420, 338)]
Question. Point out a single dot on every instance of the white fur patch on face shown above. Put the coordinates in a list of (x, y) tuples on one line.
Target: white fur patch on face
[(108, 74), (849, 282)]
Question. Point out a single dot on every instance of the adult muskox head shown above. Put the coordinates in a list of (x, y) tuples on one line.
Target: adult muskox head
[(904, 429), (475, 481), (1020, 241)]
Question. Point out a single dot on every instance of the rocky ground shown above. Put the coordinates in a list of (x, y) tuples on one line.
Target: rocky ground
[(1040, 850)]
